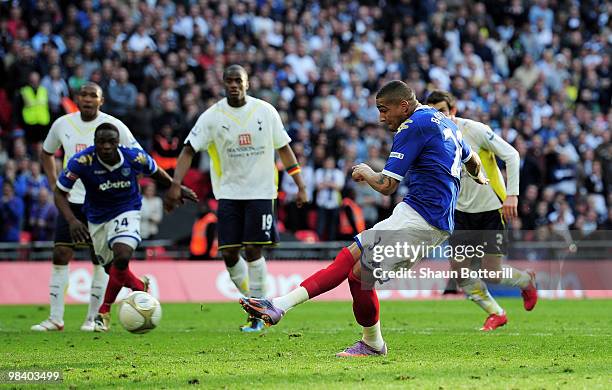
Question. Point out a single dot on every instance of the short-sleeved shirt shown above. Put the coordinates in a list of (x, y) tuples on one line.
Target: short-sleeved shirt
[(241, 142), (428, 150), (74, 135), (110, 190)]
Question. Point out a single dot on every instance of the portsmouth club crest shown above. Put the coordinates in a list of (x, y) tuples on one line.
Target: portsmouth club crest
[(125, 171)]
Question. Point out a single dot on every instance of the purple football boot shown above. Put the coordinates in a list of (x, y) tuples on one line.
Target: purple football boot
[(361, 349), (263, 309)]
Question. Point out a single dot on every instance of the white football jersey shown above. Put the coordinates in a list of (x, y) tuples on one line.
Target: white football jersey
[(476, 198), (74, 135), (241, 142)]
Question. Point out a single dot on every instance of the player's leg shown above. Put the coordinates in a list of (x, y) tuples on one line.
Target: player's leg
[(122, 235), (259, 230), (99, 281), (321, 281), (513, 277), (271, 311), (472, 230), (230, 224), (366, 309), (62, 254), (495, 236)]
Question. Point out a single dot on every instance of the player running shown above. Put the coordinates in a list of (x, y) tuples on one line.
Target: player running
[(429, 149), (480, 213), (241, 134), (109, 173), (75, 132)]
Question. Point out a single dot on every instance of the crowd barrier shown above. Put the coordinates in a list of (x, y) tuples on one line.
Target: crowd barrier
[(208, 281)]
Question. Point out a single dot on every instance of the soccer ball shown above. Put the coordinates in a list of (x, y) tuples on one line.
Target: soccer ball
[(139, 312)]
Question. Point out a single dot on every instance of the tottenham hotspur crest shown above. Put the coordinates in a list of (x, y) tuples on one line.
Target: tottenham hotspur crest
[(125, 172)]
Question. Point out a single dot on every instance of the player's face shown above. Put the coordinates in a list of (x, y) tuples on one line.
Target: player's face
[(392, 114), (106, 142), (236, 84), (89, 101), (443, 108)]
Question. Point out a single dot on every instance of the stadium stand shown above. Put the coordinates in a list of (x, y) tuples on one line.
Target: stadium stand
[(540, 79)]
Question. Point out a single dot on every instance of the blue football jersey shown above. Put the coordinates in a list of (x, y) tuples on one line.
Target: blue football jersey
[(109, 190), (428, 150)]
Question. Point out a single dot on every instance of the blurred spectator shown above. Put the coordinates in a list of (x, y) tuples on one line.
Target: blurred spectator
[(140, 121), (329, 181), (151, 212), (57, 89), (121, 95), (11, 214), (42, 217)]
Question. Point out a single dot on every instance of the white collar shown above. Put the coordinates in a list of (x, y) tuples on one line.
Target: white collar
[(112, 168)]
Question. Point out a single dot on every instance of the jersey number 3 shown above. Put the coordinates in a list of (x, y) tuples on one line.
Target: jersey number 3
[(456, 167)]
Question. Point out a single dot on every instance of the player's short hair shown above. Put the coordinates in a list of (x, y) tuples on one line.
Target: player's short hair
[(235, 68), (437, 96), (106, 126), (395, 91), (91, 84)]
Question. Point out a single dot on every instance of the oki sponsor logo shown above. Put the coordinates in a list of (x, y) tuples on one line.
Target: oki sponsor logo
[(114, 185), (244, 139)]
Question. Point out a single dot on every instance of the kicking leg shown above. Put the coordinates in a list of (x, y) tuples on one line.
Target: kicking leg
[(318, 283)]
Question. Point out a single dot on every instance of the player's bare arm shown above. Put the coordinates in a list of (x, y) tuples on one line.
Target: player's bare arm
[(473, 166), (163, 178), (380, 182), (78, 230), (48, 163), (173, 195), (293, 169)]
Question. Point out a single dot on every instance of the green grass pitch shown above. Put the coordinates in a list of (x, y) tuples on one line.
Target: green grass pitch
[(432, 345)]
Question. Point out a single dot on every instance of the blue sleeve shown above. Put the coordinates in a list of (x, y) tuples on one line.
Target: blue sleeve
[(407, 146), (466, 150), (70, 175), (143, 162)]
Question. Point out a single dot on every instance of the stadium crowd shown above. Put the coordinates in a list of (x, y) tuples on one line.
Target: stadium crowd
[(538, 72)]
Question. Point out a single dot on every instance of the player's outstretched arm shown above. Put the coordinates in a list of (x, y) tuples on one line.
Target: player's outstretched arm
[(174, 194), (163, 178), (380, 182), (78, 230), (473, 166), (293, 169)]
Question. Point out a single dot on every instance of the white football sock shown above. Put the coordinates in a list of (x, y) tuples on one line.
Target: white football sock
[(476, 290), (57, 289), (99, 281), (294, 298), (258, 273), (373, 337), (239, 275), (518, 278)]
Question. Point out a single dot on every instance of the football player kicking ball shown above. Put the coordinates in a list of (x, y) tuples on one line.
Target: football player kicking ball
[(429, 149), (480, 213), (109, 173)]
